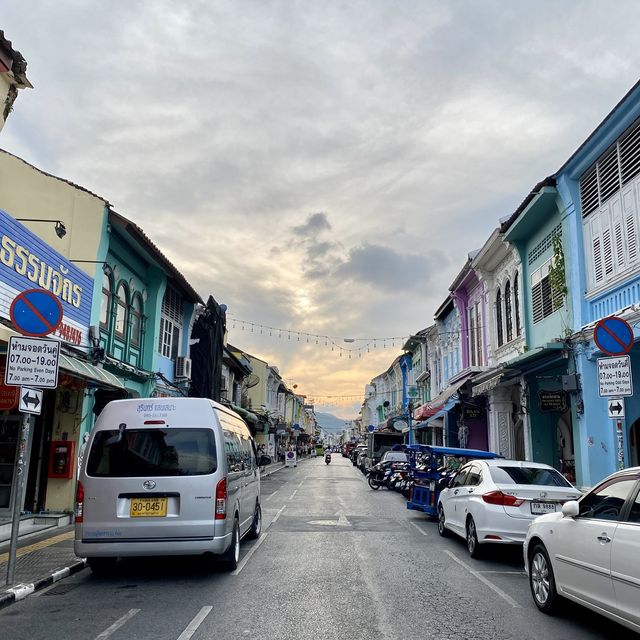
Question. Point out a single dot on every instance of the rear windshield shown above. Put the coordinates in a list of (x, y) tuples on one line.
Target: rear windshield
[(528, 475), (152, 452)]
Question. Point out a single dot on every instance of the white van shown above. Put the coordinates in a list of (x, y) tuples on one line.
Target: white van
[(167, 476)]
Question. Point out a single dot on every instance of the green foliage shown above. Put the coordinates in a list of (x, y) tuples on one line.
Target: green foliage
[(557, 276)]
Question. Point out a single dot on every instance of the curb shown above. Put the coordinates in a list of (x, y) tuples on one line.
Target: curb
[(21, 591)]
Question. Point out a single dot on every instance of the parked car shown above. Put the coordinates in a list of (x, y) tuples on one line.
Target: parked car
[(590, 553), (493, 501), (394, 456), (163, 476)]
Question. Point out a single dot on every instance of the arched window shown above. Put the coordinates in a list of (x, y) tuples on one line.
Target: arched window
[(121, 311), (105, 301), (136, 321), (499, 318), (507, 311), (516, 304)]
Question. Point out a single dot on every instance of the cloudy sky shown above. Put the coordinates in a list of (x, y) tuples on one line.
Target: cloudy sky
[(322, 167)]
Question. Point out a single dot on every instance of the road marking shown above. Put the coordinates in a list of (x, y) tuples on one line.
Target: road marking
[(420, 529), (117, 624), (192, 627), (38, 545), (505, 596), (300, 484), (254, 548), (273, 494), (292, 495)]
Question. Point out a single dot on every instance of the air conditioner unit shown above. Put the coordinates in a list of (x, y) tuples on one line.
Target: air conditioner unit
[(183, 367)]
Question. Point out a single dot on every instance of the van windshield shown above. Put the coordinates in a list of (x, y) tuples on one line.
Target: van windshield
[(152, 452)]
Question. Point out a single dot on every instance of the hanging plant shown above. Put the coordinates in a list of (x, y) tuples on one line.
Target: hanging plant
[(557, 276)]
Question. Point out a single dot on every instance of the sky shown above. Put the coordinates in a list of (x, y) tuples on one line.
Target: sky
[(320, 168)]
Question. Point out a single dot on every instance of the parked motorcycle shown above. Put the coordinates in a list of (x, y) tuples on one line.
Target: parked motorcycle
[(376, 476), (327, 458)]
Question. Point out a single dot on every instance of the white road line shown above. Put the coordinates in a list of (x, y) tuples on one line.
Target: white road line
[(301, 483), (292, 495), (505, 596), (273, 494), (254, 548), (117, 624), (420, 529), (192, 627)]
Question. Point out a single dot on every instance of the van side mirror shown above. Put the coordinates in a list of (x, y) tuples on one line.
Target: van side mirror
[(570, 509), (264, 461)]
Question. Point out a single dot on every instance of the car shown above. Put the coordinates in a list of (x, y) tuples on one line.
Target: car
[(394, 456), (590, 552), (493, 501), (167, 476)]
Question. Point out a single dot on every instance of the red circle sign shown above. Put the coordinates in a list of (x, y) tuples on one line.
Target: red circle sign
[(36, 312)]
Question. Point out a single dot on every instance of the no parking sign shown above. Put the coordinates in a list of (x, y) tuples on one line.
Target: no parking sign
[(290, 459)]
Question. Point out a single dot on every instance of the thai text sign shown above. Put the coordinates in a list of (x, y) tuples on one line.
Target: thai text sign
[(27, 262), (614, 377), (32, 362), (549, 401)]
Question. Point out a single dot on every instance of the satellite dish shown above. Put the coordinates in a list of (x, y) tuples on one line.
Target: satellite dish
[(251, 381)]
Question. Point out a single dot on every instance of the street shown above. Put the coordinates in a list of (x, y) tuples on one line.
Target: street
[(336, 560)]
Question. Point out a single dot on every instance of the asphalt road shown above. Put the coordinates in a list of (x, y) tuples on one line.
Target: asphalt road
[(336, 560)]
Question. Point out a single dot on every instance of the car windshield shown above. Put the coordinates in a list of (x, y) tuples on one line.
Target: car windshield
[(395, 456), (528, 475), (152, 452)]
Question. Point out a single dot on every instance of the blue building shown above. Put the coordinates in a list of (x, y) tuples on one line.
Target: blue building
[(600, 191)]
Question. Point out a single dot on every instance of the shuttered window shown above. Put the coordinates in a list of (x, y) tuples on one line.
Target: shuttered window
[(507, 311), (499, 331), (516, 303), (543, 300)]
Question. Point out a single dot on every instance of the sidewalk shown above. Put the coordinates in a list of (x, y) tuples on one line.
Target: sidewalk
[(45, 559)]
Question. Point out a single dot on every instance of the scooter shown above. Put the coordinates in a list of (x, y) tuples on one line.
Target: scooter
[(327, 458)]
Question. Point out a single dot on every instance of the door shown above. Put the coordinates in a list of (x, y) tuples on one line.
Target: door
[(625, 563), (454, 504), (582, 552), (9, 433)]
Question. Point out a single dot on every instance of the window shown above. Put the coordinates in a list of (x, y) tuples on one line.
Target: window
[(606, 502), (136, 321), (233, 451), (499, 318), (543, 301), (248, 456), (105, 301), (475, 476), (634, 514), (121, 311), (516, 304), (475, 336), (170, 324), (507, 311), (140, 453), (460, 478), (528, 475)]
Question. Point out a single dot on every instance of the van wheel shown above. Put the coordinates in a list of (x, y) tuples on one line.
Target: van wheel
[(256, 525), (231, 556), (102, 567)]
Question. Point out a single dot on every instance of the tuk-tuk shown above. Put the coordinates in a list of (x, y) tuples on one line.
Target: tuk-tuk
[(431, 469)]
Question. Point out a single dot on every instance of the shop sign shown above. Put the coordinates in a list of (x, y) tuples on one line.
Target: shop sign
[(549, 401), (32, 362), (472, 413), (27, 262), (614, 377)]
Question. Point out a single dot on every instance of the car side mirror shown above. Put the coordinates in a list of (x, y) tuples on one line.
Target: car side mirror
[(570, 509), (264, 461)]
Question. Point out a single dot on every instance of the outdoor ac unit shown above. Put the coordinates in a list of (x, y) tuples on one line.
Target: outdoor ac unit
[(183, 367)]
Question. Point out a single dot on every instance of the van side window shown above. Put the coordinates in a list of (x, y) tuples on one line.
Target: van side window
[(233, 449), (247, 453)]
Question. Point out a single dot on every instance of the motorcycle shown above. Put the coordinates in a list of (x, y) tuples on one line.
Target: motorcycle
[(327, 458), (377, 476)]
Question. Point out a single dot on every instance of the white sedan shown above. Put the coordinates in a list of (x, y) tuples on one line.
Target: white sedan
[(493, 501), (590, 553)]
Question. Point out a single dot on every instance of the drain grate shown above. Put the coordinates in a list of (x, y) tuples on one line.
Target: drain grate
[(61, 589)]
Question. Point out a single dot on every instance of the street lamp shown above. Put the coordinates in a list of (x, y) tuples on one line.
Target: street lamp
[(61, 230)]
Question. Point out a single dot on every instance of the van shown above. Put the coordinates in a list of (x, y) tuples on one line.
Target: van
[(167, 476)]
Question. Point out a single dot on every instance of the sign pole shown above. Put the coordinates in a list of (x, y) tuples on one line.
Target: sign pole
[(620, 445), (18, 484)]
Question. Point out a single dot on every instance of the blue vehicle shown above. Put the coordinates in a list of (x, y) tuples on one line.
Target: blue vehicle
[(431, 469)]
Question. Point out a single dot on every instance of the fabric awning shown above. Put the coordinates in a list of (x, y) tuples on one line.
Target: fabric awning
[(430, 408), (88, 371), (487, 385)]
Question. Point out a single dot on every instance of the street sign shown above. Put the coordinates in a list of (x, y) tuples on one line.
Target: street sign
[(613, 336), (36, 312), (30, 400), (615, 408), (614, 377), (32, 362)]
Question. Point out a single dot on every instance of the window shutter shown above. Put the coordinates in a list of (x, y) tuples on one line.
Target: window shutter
[(630, 214), (536, 302), (596, 251), (618, 234), (607, 252)]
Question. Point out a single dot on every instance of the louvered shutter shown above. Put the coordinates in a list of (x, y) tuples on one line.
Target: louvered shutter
[(537, 302), (630, 214), (595, 250), (619, 253)]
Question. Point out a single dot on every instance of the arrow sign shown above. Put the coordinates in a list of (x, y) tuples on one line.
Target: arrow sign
[(30, 400), (615, 408)]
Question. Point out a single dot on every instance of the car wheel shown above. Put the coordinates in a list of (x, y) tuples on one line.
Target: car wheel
[(102, 567), (256, 525), (542, 580), (472, 539), (231, 556), (442, 530)]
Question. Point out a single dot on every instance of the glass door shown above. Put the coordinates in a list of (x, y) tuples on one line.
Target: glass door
[(9, 432)]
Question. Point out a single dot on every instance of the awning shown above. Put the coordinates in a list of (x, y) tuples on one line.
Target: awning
[(487, 385), (430, 408), (90, 372)]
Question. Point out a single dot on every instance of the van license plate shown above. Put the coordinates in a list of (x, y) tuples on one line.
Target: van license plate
[(144, 507), (540, 508)]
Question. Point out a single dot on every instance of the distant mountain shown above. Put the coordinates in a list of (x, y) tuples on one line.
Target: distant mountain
[(329, 422)]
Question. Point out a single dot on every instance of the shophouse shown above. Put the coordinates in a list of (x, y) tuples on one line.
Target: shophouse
[(497, 265), (599, 187), (13, 77)]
